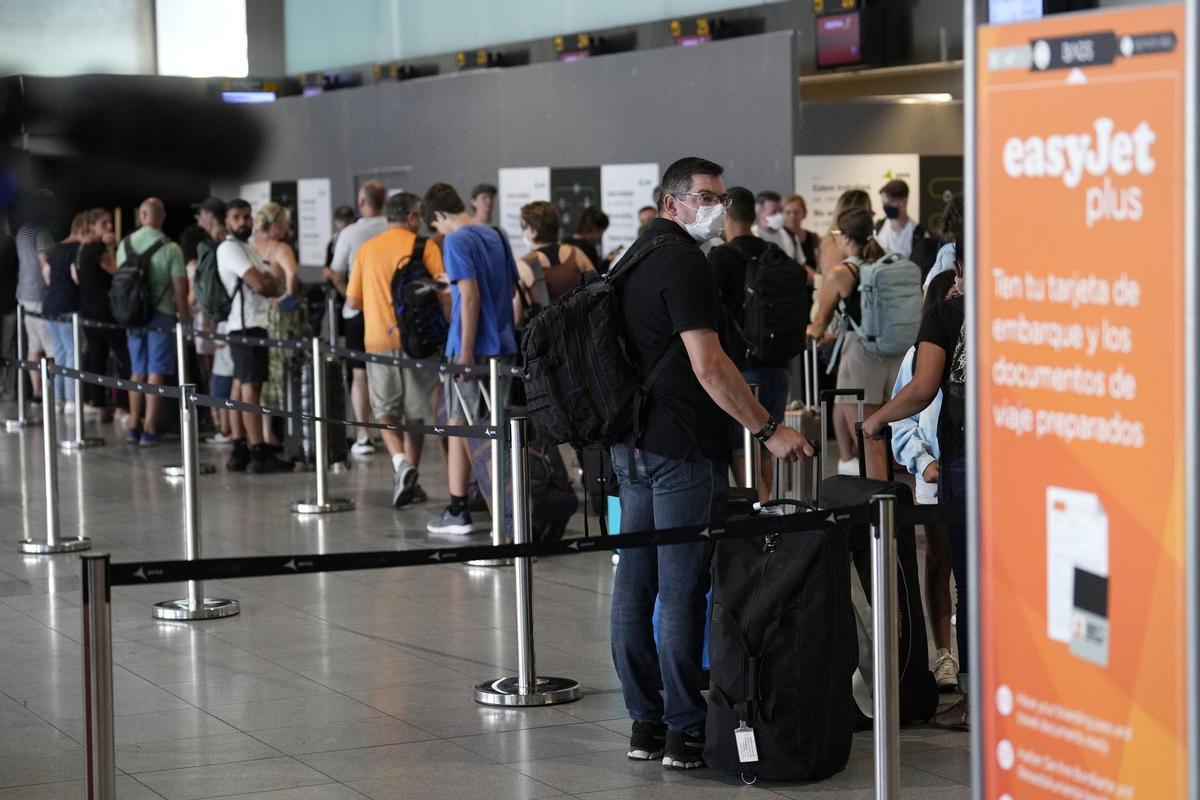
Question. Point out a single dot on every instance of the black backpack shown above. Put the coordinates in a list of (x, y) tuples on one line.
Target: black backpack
[(423, 326), (129, 294), (782, 652), (581, 384), (777, 304)]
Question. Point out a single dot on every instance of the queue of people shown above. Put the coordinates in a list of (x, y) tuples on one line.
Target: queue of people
[(687, 318)]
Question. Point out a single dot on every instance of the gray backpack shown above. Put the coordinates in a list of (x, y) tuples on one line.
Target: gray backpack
[(891, 298)]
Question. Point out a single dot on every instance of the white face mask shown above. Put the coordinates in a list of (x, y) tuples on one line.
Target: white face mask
[(528, 237), (709, 224), (775, 221)]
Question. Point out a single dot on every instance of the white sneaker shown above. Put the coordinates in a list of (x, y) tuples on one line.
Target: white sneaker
[(69, 407), (220, 438), (945, 670), (363, 447), (848, 467)]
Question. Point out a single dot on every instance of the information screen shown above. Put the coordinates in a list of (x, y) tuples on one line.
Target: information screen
[(1002, 11), (839, 40), (1082, 410)]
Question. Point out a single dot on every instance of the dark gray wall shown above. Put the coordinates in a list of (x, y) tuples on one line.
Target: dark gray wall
[(930, 129), (732, 101)]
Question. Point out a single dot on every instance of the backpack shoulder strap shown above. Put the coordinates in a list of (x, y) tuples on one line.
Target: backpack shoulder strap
[(660, 365), (551, 253), (508, 254), (639, 252), (418, 251), (154, 248)]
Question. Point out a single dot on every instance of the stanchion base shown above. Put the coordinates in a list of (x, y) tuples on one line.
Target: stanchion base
[(176, 470), (490, 562), (338, 467), (17, 425), (210, 608), (86, 443), (330, 506), (548, 692), (36, 548)]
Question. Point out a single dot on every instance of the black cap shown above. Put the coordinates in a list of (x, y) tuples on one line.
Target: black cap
[(483, 188), (214, 204)]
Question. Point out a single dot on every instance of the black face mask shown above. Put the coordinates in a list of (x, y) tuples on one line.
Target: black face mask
[(890, 211), (243, 233)]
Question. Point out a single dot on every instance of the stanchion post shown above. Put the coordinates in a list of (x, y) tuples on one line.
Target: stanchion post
[(99, 732), (181, 360), (53, 543), (331, 315), (21, 421), (498, 510), (750, 451), (80, 442), (323, 504), (887, 655), (525, 688), (195, 605)]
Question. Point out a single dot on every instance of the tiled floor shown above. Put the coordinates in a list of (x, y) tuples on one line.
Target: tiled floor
[(331, 686)]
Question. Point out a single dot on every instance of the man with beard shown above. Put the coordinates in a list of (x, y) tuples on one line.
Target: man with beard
[(250, 282)]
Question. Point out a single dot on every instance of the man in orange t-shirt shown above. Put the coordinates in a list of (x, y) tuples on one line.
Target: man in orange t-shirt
[(397, 395)]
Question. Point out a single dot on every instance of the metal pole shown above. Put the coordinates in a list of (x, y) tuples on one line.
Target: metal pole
[(331, 315), (53, 543), (21, 421), (180, 470), (526, 688), (323, 503), (195, 605), (886, 656), (498, 510), (99, 733), (80, 442)]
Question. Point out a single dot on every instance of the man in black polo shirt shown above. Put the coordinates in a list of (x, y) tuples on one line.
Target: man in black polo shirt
[(670, 306)]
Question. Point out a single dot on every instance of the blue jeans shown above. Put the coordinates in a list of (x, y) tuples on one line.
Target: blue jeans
[(952, 491), (669, 493), (62, 335)]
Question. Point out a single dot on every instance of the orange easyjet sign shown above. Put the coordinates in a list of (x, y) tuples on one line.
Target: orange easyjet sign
[(1080, 298)]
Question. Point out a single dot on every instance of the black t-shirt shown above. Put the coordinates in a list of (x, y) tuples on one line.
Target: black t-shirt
[(94, 282), (729, 273), (943, 326), (10, 266), (805, 243), (669, 292), (62, 295)]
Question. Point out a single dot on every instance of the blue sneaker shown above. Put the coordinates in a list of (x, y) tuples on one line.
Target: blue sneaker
[(134, 436), (149, 439)]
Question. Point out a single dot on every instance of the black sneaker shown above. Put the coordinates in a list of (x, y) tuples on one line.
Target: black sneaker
[(239, 458), (646, 742), (418, 494), (683, 750), (263, 461)]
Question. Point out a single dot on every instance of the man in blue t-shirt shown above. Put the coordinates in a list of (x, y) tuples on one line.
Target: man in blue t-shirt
[(482, 278)]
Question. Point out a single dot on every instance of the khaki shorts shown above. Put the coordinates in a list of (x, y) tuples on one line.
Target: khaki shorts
[(858, 369), (402, 394), (37, 335)]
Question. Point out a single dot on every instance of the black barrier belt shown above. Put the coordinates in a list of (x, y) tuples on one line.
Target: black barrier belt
[(138, 573), (476, 370), (161, 390), (100, 324), (252, 341), (457, 431)]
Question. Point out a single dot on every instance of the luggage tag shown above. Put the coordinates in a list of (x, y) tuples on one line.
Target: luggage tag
[(747, 749)]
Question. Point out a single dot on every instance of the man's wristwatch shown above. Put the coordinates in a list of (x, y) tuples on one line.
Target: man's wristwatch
[(767, 431)]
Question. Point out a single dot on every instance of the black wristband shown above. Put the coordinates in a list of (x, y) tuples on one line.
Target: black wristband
[(767, 431)]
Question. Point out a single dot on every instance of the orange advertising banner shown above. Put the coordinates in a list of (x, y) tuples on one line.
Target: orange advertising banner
[(1079, 291)]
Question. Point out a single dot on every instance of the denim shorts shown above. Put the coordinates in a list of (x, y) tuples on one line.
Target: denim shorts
[(152, 352)]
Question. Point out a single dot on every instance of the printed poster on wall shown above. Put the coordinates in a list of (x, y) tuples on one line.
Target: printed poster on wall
[(572, 189), (518, 186), (257, 194), (1082, 412), (625, 188), (820, 180), (314, 220)]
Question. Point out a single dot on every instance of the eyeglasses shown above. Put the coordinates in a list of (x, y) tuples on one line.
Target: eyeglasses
[(708, 198), (835, 233)]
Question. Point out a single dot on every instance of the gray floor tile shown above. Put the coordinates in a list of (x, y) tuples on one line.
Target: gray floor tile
[(225, 779), (266, 714), (371, 763), (178, 753), (329, 791), (595, 772), (439, 782), (323, 736), (540, 743), (127, 789)]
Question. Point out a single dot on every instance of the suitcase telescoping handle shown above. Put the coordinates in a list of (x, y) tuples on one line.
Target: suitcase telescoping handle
[(810, 366), (827, 400), (887, 446)]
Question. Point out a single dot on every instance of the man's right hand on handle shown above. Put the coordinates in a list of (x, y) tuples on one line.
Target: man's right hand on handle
[(789, 444)]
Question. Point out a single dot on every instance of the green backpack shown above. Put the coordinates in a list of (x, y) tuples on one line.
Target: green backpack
[(211, 296)]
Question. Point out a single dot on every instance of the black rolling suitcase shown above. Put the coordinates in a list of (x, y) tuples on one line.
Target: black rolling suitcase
[(918, 687), (298, 444), (783, 650)]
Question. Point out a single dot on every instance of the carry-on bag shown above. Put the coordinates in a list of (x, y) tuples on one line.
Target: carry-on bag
[(299, 444), (918, 687)]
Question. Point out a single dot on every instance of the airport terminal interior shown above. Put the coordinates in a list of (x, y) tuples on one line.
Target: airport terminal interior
[(342, 343)]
